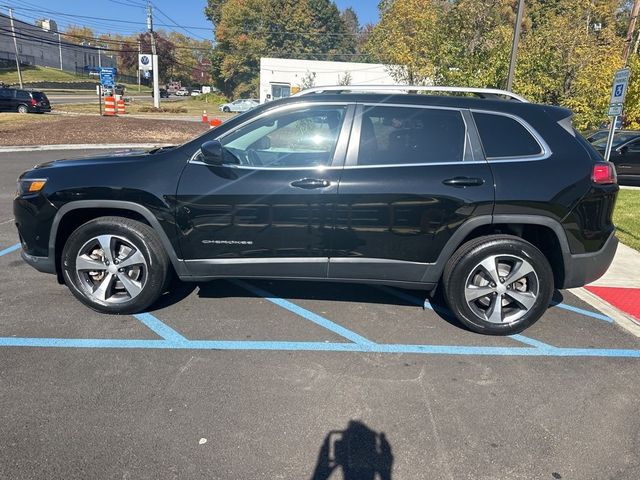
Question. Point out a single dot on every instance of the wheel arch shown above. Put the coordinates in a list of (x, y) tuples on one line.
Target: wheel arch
[(544, 233), (71, 215)]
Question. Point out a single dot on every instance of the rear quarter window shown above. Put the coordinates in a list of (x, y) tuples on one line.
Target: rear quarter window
[(22, 95), (505, 137)]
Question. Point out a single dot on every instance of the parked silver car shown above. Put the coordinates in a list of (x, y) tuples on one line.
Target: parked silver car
[(240, 105)]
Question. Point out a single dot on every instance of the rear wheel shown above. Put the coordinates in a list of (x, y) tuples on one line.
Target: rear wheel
[(115, 265), (498, 285), (23, 109)]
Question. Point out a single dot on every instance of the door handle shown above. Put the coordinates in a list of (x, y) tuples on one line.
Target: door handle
[(464, 182), (311, 183)]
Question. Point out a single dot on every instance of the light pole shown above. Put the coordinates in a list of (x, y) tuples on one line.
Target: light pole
[(514, 46)]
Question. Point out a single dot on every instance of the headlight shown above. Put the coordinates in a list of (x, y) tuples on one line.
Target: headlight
[(30, 185)]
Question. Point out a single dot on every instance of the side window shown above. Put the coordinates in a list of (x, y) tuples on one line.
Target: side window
[(406, 135), (22, 95), (294, 138), (505, 137), (4, 93), (634, 147)]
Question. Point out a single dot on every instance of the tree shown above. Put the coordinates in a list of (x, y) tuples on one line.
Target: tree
[(568, 49), (77, 34), (351, 22), (164, 48), (246, 30), (192, 59)]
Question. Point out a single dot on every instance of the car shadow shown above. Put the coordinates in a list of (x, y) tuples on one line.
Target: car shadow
[(323, 291)]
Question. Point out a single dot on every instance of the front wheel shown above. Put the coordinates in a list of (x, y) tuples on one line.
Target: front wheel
[(498, 285), (115, 265), (226, 109)]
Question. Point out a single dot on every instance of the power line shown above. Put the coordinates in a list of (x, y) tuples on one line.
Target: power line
[(176, 24), (184, 27)]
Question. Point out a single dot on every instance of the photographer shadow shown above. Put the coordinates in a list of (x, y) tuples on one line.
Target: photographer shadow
[(361, 454)]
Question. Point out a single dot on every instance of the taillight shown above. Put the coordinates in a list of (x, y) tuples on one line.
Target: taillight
[(34, 102), (603, 173)]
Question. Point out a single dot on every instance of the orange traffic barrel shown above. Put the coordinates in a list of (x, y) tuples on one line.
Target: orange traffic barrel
[(216, 122), (109, 106), (205, 117), (121, 110)]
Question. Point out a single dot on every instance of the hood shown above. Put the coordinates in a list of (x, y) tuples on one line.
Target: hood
[(117, 157)]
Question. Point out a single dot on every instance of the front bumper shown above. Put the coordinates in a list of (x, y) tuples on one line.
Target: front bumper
[(42, 264), (585, 268)]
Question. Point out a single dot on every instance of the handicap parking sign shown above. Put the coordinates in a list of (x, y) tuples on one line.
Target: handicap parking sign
[(619, 88)]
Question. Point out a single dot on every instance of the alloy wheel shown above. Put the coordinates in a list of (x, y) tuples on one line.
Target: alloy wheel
[(502, 288), (111, 269)]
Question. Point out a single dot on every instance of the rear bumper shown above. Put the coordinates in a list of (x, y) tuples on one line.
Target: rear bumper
[(588, 267)]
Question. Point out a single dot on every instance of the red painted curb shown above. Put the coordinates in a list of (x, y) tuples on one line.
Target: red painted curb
[(625, 299)]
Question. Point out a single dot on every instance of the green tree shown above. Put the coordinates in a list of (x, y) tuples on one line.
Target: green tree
[(568, 49), (249, 29)]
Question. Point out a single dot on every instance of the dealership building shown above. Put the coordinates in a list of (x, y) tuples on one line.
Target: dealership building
[(282, 77)]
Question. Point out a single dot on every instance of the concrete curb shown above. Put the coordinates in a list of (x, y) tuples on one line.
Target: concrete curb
[(81, 146), (620, 318)]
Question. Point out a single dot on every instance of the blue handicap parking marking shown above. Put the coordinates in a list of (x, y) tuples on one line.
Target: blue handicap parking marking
[(10, 249), (309, 315), (172, 339)]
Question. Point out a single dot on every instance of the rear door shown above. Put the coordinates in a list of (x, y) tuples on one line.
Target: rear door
[(413, 175)]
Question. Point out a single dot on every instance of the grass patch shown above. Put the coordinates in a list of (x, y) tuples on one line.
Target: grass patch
[(190, 106), (150, 109), (8, 119), (627, 217), (48, 74)]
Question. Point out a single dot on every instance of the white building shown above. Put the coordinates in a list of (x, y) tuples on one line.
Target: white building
[(282, 77)]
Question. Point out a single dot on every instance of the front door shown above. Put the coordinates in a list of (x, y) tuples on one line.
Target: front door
[(413, 175), (269, 211)]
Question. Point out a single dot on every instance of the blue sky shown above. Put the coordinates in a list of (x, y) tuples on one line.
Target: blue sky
[(185, 13)]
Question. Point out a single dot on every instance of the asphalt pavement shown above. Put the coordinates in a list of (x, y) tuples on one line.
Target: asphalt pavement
[(295, 380)]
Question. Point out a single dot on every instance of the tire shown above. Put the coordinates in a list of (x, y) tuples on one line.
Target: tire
[(226, 109), (92, 276), (23, 109), (502, 267)]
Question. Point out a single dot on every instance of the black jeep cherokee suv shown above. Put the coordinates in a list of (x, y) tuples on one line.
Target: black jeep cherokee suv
[(497, 201)]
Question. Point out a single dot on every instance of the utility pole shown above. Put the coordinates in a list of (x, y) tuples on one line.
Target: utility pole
[(15, 46), (99, 57), (154, 58), (514, 47), (632, 27), (139, 52), (60, 49)]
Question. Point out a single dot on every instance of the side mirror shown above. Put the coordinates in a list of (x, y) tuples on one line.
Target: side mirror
[(212, 152)]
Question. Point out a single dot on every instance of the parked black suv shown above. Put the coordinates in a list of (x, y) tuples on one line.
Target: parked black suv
[(625, 154), (498, 201), (23, 101)]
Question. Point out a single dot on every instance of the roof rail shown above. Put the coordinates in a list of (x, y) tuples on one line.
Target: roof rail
[(480, 92)]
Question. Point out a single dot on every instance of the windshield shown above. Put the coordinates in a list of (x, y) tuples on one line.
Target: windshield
[(618, 139)]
